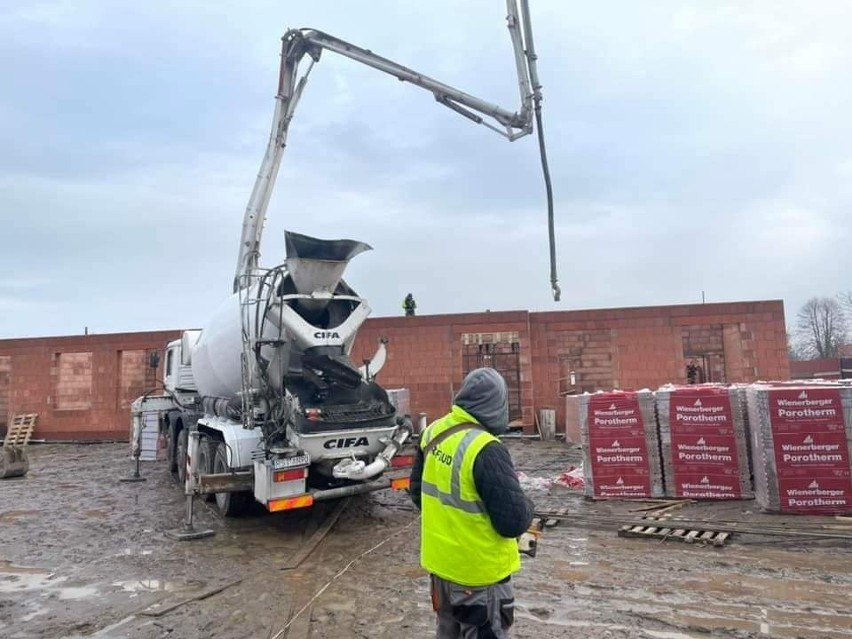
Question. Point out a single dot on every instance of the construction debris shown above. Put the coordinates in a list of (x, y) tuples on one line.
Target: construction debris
[(571, 478)]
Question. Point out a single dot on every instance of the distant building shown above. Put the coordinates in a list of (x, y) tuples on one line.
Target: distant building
[(833, 368)]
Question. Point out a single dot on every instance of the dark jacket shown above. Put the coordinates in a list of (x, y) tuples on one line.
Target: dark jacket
[(484, 396)]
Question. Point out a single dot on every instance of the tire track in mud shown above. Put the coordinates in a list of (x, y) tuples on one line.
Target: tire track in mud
[(299, 621), (301, 576), (302, 583)]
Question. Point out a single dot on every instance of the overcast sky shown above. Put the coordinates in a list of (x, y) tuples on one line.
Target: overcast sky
[(694, 146)]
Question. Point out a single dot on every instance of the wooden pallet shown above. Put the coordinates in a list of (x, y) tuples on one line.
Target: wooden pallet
[(690, 536), (550, 522), (20, 430)]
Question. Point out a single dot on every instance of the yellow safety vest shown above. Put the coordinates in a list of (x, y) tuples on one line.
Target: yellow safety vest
[(458, 542)]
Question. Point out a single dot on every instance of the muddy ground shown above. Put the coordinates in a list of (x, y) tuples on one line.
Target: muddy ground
[(82, 555)]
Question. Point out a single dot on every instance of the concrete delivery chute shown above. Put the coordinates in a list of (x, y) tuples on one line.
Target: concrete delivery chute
[(265, 401)]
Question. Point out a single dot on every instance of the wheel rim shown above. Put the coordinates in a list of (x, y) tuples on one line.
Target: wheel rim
[(222, 499)]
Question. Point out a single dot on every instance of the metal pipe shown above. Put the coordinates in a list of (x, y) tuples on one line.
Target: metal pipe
[(347, 491), (357, 470)]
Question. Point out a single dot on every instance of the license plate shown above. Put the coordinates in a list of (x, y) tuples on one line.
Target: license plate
[(290, 462)]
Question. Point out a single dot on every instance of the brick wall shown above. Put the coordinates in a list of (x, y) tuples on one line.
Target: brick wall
[(634, 348), (82, 386), (426, 354), (5, 370)]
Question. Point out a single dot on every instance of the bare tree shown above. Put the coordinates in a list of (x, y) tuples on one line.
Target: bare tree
[(822, 328), (793, 349)]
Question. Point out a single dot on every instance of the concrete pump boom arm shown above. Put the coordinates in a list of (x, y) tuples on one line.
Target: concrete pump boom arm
[(297, 43)]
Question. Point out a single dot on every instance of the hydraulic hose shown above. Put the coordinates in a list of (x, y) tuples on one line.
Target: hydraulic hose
[(536, 95), (549, 189)]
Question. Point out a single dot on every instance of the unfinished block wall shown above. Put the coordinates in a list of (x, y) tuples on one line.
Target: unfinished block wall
[(636, 348), (82, 386), (431, 354)]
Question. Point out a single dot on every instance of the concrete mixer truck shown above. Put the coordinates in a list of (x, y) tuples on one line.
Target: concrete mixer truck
[(265, 403)]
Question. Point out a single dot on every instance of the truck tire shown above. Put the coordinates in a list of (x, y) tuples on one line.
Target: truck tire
[(206, 450), (228, 504), (171, 443), (180, 454)]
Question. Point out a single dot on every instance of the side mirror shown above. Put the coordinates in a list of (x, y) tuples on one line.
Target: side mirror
[(154, 360)]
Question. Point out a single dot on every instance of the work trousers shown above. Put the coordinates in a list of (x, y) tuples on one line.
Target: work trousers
[(473, 612)]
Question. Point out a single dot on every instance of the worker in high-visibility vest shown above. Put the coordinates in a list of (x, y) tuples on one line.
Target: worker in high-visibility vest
[(409, 305), (473, 511)]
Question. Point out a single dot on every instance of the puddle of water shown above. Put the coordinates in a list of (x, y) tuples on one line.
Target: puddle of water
[(29, 580), (127, 552), (76, 592), (136, 586), (11, 582), (145, 585)]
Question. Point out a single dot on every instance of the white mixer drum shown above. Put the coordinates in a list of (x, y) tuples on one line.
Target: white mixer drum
[(216, 356)]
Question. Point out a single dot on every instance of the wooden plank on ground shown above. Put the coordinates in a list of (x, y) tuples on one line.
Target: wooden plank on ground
[(721, 538), (315, 539)]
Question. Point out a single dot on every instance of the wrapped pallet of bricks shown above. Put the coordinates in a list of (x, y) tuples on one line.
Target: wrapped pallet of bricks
[(801, 446), (622, 453), (400, 398), (703, 437)]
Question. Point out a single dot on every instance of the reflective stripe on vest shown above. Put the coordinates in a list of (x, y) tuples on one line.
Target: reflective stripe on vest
[(453, 499)]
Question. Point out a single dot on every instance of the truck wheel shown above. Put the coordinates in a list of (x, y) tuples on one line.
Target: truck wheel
[(206, 447), (229, 504), (171, 437), (180, 454)]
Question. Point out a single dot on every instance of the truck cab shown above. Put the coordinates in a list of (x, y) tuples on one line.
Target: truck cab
[(177, 374)]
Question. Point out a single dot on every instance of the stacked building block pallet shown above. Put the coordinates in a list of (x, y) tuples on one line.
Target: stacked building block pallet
[(703, 438), (620, 444), (802, 445)]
